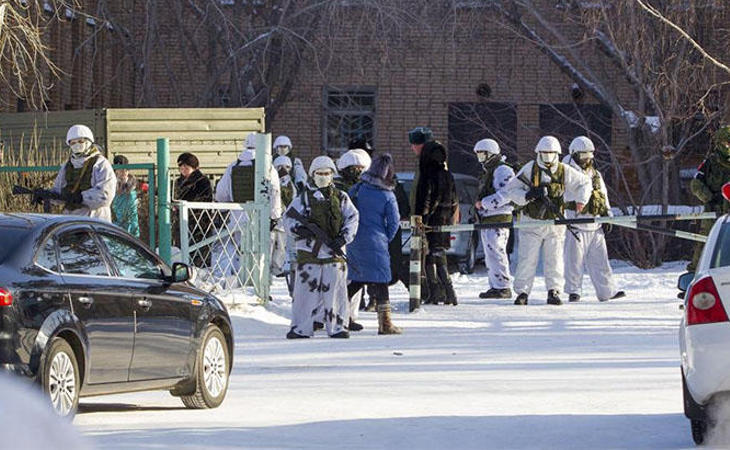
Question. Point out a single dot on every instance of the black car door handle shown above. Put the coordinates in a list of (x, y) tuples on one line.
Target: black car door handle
[(144, 303), (86, 301)]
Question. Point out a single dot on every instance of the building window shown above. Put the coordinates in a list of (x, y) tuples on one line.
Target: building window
[(348, 114)]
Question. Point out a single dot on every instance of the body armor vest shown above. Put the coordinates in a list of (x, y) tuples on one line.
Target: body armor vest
[(242, 182), (78, 180), (556, 189), (327, 215), (287, 193), (486, 189), (597, 205)]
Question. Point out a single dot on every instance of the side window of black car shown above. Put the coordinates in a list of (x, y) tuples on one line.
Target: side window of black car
[(80, 254), (46, 256), (131, 261)]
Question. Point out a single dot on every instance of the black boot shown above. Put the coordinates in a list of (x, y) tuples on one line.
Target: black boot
[(354, 326), (619, 294), (435, 293), (341, 335), (573, 298), (293, 335), (521, 299), (497, 293), (445, 279), (554, 298)]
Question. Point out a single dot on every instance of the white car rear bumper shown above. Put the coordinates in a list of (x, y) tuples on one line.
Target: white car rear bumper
[(706, 359)]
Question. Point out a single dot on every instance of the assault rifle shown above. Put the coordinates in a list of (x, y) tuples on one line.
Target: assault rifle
[(552, 207), (38, 195), (320, 235)]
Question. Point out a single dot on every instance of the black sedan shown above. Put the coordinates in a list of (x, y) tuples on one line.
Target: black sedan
[(86, 309)]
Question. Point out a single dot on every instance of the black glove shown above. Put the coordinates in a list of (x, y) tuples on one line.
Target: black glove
[(535, 193), (303, 232), (73, 198), (273, 223), (337, 243)]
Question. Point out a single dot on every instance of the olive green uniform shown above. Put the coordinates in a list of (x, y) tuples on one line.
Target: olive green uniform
[(712, 174)]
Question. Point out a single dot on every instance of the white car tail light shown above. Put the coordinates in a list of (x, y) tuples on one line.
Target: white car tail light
[(704, 303)]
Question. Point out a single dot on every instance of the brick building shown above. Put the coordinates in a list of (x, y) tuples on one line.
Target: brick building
[(479, 81)]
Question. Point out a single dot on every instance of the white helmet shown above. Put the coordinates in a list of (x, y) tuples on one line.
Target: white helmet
[(581, 144), (250, 141), (283, 161), (321, 162), (282, 141), (355, 157), (548, 144), (487, 145), (78, 132)]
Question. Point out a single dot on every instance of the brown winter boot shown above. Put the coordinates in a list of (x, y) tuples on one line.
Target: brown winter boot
[(385, 326)]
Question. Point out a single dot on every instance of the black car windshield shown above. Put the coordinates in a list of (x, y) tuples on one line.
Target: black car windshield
[(10, 239)]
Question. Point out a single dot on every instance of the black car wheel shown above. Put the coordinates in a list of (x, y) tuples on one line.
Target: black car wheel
[(699, 431), (212, 371), (61, 378), (466, 266)]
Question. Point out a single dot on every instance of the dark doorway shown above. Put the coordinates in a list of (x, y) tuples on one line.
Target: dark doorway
[(566, 121), (471, 122)]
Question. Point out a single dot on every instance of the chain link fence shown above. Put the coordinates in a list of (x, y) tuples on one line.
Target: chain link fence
[(228, 244)]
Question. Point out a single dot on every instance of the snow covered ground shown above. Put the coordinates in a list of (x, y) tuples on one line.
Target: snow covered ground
[(484, 374)]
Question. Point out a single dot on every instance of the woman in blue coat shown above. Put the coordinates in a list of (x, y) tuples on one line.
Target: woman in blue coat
[(368, 254)]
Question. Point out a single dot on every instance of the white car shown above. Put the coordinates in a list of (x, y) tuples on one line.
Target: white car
[(704, 333)]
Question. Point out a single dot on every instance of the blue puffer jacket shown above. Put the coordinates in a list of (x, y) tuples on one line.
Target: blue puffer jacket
[(367, 255)]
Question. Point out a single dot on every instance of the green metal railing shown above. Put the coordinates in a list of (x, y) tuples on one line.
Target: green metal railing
[(151, 180)]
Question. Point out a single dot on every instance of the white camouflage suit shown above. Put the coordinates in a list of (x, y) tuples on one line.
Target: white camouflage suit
[(590, 253), (319, 286), (494, 240), (97, 199), (226, 255), (549, 238)]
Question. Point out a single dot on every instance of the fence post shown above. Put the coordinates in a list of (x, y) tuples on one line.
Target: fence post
[(262, 199), (415, 263), (151, 199), (184, 230), (163, 199)]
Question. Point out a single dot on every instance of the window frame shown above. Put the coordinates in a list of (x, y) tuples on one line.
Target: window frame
[(327, 111)]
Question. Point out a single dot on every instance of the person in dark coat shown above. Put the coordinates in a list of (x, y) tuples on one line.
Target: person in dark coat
[(368, 253), (433, 197), (193, 186)]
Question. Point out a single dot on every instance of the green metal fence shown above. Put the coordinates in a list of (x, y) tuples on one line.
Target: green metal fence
[(151, 180)]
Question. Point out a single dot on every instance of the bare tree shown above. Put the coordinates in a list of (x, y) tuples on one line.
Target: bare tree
[(676, 92), (25, 66)]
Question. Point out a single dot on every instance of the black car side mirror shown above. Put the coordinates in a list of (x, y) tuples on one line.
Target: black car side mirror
[(685, 280), (181, 272)]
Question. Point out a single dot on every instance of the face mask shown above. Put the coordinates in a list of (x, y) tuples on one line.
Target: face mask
[(548, 159), (282, 150), (283, 171), (482, 157), (80, 148), (322, 180), (352, 172), (584, 160)]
